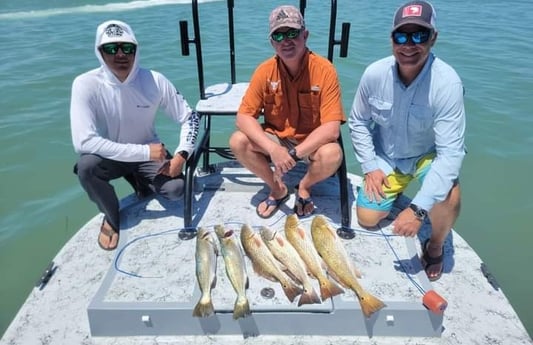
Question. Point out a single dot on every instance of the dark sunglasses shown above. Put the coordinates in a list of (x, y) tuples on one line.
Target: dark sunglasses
[(280, 36), (112, 48), (418, 37)]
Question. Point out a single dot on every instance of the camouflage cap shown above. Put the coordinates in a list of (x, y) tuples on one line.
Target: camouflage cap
[(286, 16)]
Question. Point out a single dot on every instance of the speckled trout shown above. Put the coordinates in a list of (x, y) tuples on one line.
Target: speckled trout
[(235, 269), (301, 241), (265, 264), (332, 251), (289, 257), (206, 266)]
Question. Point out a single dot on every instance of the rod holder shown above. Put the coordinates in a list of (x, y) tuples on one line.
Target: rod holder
[(184, 38)]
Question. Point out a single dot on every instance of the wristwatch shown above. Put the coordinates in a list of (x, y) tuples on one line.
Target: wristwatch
[(292, 152), (420, 213), (184, 154)]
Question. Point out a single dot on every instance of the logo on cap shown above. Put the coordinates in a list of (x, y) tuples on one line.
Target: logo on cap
[(282, 15), (412, 11), (113, 30)]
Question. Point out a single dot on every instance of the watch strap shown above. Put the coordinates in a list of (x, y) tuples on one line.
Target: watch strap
[(292, 153)]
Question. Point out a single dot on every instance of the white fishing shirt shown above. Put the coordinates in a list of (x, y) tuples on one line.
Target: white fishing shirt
[(116, 120)]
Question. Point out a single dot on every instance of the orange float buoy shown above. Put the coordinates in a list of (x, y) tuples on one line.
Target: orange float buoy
[(434, 302)]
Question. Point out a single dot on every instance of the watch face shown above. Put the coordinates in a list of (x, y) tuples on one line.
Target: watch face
[(419, 212)]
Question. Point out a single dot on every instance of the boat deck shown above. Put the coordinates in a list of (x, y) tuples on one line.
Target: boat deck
[(144, 292)]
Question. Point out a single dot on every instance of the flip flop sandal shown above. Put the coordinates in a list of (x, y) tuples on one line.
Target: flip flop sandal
[(302, 203), (110, 234), (272, 202), (430, 261)]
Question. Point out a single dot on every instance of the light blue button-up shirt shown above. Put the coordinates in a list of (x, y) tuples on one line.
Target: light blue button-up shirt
[(392, 125)]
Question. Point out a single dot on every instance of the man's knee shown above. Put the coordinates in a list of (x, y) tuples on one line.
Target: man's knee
[(237, 141), (368, 218), (86, 165), (329, 154), (171, 189)]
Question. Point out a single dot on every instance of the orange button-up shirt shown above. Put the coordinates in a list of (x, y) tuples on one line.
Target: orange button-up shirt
[(294, 107)]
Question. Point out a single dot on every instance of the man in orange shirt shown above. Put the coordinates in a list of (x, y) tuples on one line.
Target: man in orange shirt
[(299, 94)]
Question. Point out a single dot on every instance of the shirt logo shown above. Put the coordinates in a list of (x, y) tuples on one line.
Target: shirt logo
[(274, 85), (412, 11)]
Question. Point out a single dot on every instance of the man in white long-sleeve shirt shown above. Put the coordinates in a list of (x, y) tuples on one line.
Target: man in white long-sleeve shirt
[(408, 122), (112, 117)]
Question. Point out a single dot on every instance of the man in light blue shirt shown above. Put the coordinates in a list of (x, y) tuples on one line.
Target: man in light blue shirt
[(408, 121)]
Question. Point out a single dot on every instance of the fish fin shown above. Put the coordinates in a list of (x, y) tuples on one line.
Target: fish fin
[(301, 232), (329, 288), (309, 296), (241, 308), (356, 271), (369, 304), (257, 269), (335, 277), (293, 276), (291, 290), (203, 309)]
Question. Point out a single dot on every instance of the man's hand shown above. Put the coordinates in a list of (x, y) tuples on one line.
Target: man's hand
[(281, 159), (374, 182), (173, 167), (406, 223), (157, 152)]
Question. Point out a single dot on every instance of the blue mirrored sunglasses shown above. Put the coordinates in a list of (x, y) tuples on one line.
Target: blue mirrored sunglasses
[(112, 48), (280, 36), (418, 37)]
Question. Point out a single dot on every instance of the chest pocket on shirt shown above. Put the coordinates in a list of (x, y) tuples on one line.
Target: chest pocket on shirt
[(309, 104), (272, 110), (420, 118), (380, 111)]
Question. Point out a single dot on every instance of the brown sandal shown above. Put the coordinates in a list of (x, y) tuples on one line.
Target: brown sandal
[(109, 233)]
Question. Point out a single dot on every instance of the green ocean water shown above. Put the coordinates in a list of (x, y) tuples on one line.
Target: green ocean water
[(46, 44)]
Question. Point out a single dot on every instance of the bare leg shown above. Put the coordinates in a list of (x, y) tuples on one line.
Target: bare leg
[(324, 162), (252, 158)]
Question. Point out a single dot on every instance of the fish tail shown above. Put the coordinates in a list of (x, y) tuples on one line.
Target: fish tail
[(203, 309), (309, 296), (241, 308), (291, 290), (329, 289), (369, 303)]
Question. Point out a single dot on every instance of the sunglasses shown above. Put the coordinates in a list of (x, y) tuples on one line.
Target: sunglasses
[(280, 36), (112, 48), (418, 37)]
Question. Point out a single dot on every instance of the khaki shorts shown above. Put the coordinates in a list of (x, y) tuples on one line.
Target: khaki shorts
[(287, 143)]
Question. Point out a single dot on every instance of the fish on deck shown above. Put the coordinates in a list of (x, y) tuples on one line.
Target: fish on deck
[(235, 269), (302, 243), (265, 264), (332, 251), (285, 253), (206, 266)]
